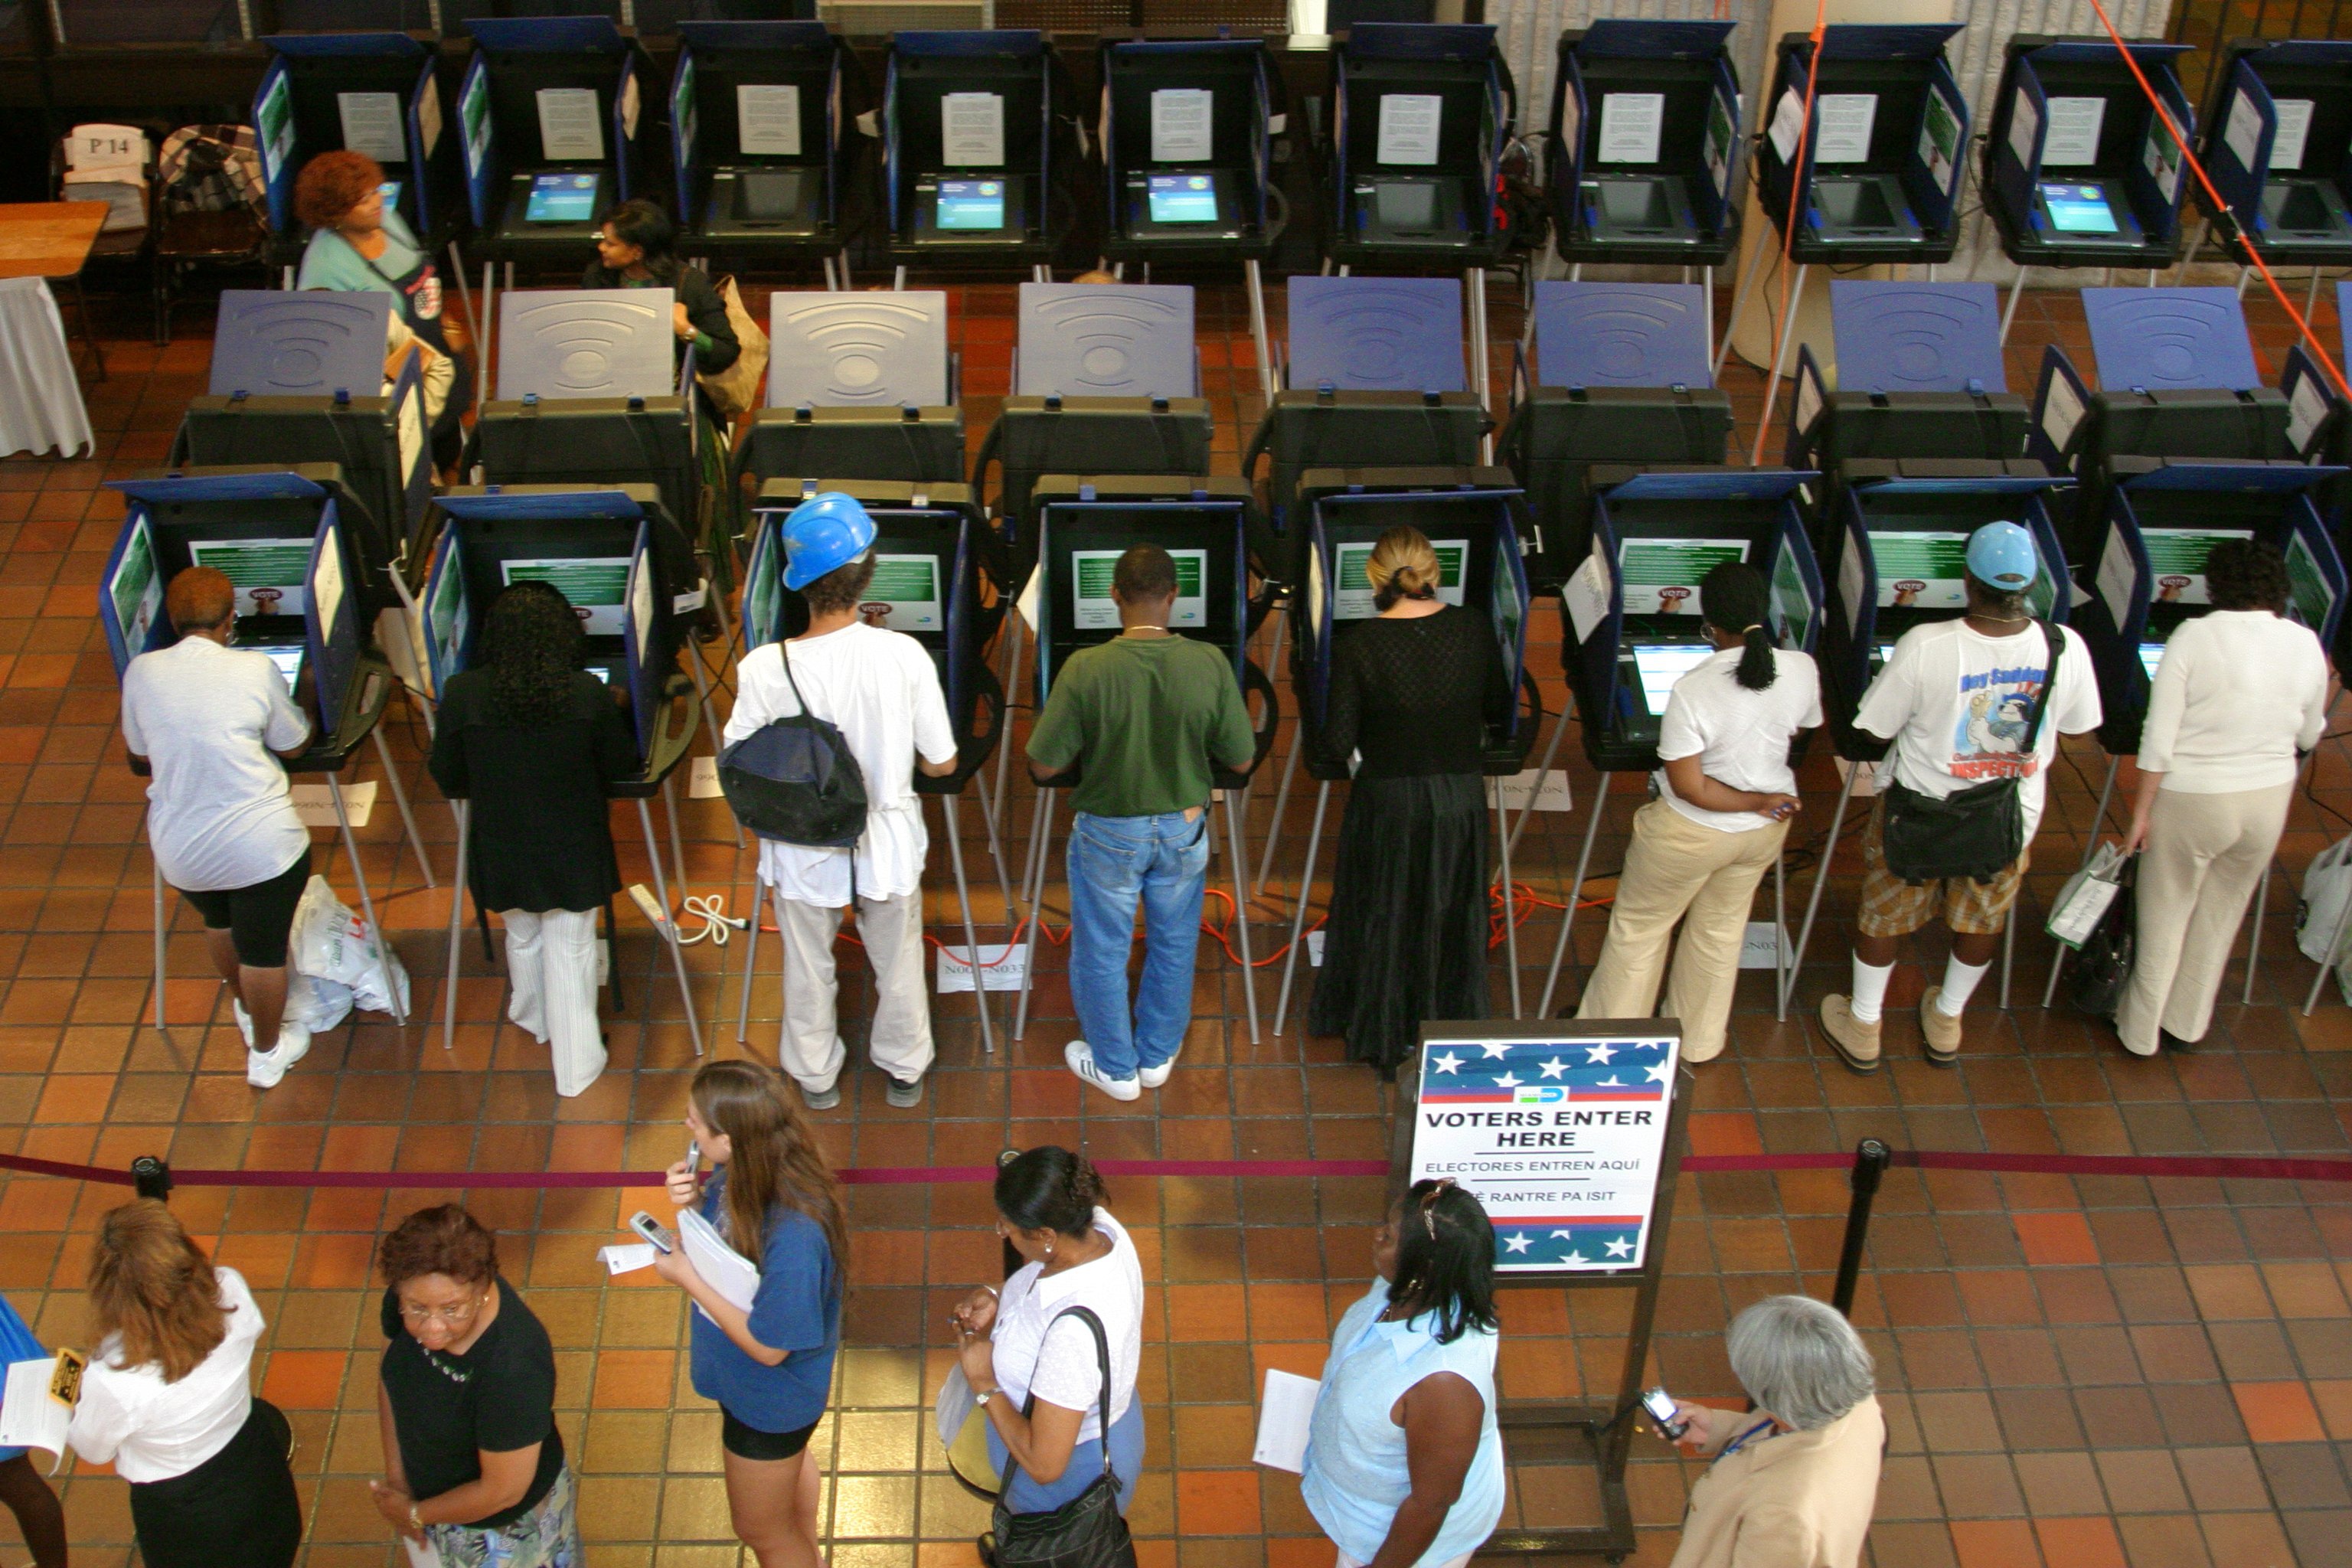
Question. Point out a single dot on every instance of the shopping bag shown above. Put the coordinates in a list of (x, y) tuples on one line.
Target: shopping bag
[(318, 1005), (735, 391), (330, 942), (2085, 897), (2103, 965), (2320, 910)]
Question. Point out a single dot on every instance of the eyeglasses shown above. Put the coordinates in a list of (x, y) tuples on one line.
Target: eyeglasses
[(456, 1317)]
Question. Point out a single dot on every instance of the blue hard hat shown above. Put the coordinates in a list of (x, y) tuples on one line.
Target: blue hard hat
[(2001, 556), (826, 532)]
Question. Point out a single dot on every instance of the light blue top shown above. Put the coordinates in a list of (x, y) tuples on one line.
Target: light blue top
[(330, 262), (1356, 1477)]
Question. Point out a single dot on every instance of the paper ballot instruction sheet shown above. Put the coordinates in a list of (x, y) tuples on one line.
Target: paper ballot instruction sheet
[(971, 131), (1631, 125), (569, 130), (1183, 125), (768, 118), (1410, 123), (371, 125)]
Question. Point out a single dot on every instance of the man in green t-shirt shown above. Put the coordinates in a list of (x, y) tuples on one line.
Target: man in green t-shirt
[(1142, 717)]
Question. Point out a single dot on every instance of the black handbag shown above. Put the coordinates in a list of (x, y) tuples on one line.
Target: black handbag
[(1978, 831), (1088, 1532), (2103, 965)]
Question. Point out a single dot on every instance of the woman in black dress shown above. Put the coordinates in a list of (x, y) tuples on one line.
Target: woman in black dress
[(534, 741), (1413, 689)]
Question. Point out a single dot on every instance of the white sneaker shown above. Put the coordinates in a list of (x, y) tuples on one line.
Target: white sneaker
[(265, 1069), (1153, 1077), (1081, 1057), (244, 1021)]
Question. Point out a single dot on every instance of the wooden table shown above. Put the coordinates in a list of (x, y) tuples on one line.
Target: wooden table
[(52, 240)]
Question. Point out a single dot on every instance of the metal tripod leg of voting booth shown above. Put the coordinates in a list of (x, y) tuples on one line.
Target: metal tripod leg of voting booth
[(2009, 314), (457, 933), (2090, 847), (400, 799), (752, 955), (1575, 895), (1298, 907), (1267, 382), (1813, 899), (1033, 892), (1014, 627), (367, 903), (158, 870), (668, 928), (970, 933), (1543, 774), (1241, 904), (1475, 281), (1289, 766), (1780, 358), (676, 844), (710, 721), (1510, 899)]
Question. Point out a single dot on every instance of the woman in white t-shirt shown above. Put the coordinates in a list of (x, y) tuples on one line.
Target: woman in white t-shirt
[(1725, 797), (2241, 691), (1038, 1371), (167, 1398)]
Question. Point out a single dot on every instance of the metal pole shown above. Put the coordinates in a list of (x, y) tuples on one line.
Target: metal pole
[(160, 921), (1871, 1159), (1241, 907), (1543, 771), (996, 850), (1281, 803), (970, 933), (1015, 627), (2016, 290), (1820, 881), (752, 957), (1510, 901), (668, 927), (2311, 295), (1568, 916), (1299, 910), (1476, 279), (457, 933), (1780, 921), (1042, 825), (400, 798), (465, 293), (367, 903), (2254, 938), (1780, 355), (676, 845), (1265, 377), (1739, 303), (2007, 950)]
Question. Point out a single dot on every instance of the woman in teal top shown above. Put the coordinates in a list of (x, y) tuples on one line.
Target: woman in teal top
[(357, 244), (1404, 1464)]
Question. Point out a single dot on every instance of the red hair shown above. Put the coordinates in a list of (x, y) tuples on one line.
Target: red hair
[(332, 185)]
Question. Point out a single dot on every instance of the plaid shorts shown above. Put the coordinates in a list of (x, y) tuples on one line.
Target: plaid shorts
[(1893, 907)]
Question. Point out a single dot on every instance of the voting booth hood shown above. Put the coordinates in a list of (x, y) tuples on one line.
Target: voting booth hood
[(758, 112), (980, 146), (279, 537), (2278, 145), (1635, 606), (553, 114), (376, 93), (2079, 169), (932, 549), (1421, 114), (2163, 519), (1185, 129), (1473, 519), (1645, 133)]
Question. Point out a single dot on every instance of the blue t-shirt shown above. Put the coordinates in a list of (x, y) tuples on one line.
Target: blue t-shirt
[(797, 1310)]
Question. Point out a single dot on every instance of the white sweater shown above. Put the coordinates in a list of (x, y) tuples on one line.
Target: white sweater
[(2238, 693)]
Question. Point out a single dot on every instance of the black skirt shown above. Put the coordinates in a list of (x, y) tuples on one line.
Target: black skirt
[(1407, 936), (237, 1510)]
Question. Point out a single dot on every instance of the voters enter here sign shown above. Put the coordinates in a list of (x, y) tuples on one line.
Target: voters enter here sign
[(1562, 1134)]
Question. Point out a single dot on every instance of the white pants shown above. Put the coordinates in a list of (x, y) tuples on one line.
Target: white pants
[(551, 976), (900, 1040), (2205, 854)]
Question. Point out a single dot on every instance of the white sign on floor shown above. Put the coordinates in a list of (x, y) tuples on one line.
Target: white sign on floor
[(316, 806), (1555, 794), (703, 782), (1758, 950), (1003, 973)]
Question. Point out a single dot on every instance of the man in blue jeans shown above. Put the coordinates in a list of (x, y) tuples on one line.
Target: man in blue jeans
[(1142, 716)]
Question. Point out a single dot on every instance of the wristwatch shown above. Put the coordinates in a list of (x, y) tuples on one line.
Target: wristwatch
[(415, 1523), (981, 1399)]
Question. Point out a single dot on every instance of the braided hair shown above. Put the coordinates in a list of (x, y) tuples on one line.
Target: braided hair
[(530, 648)]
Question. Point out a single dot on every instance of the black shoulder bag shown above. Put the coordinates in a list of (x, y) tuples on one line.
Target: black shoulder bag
[(1978, 831), (1088, 1532)]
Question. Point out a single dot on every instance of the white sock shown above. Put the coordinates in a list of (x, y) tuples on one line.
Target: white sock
[(1959, 984), (1869, 990)]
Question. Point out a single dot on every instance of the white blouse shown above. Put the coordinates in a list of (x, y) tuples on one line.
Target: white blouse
[(154, 1430), (1066, 1370)]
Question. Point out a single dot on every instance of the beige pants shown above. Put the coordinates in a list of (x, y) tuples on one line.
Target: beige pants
[(2205, 854), (900, 1040), (551, 973), (1678, 869)]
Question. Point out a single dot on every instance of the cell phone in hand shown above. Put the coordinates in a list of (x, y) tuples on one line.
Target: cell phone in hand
[(653, 1230), (693, 1154), (1659, 1405)]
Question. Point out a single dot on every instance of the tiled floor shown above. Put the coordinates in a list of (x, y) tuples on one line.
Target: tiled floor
[(2078, 1371)]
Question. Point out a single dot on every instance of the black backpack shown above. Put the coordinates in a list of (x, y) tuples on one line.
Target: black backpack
[(796, 780)]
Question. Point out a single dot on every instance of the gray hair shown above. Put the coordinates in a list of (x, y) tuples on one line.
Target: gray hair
[(1799, 1360)]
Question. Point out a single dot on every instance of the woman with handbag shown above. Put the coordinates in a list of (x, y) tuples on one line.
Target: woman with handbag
[(1053, 1362), (773, 1200), (2242, 691), (1973, 708), (1404, 1460)]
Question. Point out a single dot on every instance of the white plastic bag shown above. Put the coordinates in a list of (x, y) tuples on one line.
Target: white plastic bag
[(2320, 910), (2075, 912), (316, 1005), (333, 943)]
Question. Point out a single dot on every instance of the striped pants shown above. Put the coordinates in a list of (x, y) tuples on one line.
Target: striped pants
[(551, 971)]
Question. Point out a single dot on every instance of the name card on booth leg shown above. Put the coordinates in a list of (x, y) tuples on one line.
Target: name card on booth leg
[(1559, 1131), (1555, 796), (315, 805)]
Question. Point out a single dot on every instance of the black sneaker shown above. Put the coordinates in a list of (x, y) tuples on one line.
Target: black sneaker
[(905, 1093)]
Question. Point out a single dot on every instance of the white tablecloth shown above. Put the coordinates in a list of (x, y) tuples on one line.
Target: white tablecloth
[(40, 395)]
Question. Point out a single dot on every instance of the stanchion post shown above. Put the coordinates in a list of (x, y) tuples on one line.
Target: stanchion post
[(1871, 1159), (151, 1177)]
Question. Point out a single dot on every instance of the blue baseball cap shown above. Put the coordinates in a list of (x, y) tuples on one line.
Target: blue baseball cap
[(2001, 556), (824, 533)]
